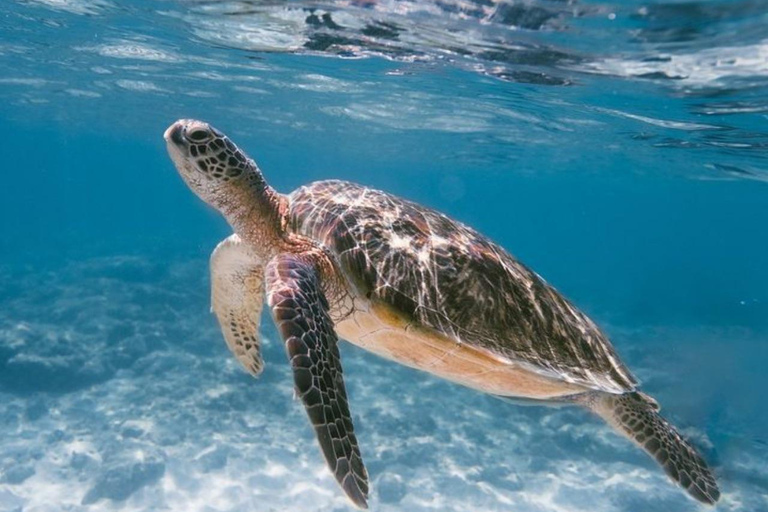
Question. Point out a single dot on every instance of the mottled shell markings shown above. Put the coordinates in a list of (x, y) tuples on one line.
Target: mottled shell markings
[(443, 275)]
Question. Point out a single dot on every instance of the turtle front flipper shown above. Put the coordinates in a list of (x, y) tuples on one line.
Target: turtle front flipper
[(300, 310), (237, 296)]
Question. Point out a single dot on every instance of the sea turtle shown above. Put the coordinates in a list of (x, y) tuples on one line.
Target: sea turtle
[(339, 260)]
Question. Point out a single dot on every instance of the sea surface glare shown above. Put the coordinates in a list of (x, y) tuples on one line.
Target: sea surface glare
[(619, 149)]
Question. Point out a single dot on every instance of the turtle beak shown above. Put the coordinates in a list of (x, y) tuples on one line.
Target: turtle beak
[(176, 144), (174, 133)]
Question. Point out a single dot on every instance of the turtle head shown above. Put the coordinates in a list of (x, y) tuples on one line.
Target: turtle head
[(211, 164)]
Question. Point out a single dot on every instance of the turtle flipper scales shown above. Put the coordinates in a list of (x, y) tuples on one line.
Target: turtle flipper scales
[(636, 416), (300, 310), (237, 296)]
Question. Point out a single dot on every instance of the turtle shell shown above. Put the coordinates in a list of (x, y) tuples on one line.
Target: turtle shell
[(440, 274)]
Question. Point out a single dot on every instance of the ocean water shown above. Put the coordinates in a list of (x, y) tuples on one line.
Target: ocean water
[(619, 149)]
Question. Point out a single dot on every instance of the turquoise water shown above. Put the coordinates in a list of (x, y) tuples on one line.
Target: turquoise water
[(621, 150)]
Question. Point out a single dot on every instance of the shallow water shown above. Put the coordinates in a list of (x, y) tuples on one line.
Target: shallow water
[(621, 150)]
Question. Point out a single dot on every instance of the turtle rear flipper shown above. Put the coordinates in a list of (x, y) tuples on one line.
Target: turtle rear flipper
[(636, 416)]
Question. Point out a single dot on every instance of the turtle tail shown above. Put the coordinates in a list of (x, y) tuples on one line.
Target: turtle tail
[(636, 415)]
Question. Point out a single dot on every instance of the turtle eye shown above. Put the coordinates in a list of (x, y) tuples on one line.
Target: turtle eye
[(198, 135)]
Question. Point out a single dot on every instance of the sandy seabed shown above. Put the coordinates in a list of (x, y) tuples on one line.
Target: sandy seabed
[(118, 393)]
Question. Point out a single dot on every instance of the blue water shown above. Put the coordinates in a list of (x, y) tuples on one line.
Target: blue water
[(621, 150)]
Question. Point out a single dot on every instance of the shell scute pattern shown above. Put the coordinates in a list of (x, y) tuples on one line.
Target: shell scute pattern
[(440, 274)]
